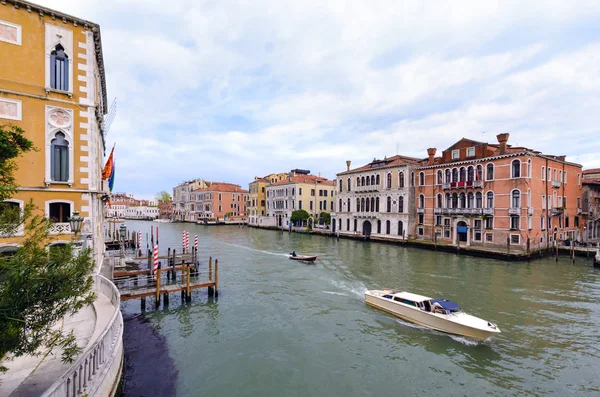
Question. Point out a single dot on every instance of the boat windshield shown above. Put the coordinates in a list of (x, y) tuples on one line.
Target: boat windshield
[(445, 306)]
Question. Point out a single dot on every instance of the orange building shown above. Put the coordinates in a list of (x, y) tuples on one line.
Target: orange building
[(52, 85), (591, 204), (219, 199), (497, 196)]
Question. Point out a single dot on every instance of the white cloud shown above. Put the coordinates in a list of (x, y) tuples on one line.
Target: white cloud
[(228, 90)]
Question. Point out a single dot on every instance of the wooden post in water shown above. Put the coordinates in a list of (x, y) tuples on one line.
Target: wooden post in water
[(210, 289), (188, 291), (183, 271), (150, 261), (573, 250), (143, 304), (158, 287), (507, 247), (216, 277), (169, 264), (174, 274)]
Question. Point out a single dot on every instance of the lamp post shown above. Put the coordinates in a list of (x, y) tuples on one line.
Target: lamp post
[(76, 222)]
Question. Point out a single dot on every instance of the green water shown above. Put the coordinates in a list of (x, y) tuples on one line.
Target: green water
[(283, 328)]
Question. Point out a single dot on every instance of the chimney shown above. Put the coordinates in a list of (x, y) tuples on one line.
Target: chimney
[(431, 153), (502, 139), (348, 165)]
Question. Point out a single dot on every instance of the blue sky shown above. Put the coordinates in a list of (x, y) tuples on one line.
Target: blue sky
[(226, 90)]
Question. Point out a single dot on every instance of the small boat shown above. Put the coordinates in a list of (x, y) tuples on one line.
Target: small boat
[(597, 258), (439, 314), (302, 258)]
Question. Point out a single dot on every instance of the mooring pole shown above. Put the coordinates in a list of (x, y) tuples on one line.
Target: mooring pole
[(216, 277), (158, 287), (189, 291), (210, 289)]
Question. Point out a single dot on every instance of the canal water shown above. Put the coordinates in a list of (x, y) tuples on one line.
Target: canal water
[(283, 328)]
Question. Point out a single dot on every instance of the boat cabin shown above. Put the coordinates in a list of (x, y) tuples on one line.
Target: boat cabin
[(440, 305)]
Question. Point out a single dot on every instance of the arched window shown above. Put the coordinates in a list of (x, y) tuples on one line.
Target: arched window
[(529, 197), (516, 199), (462, 200), (362, 181), (529, 168), (439, 201), (59, 212), (357, 181), (348, 224), (357, 205), (478, 200), (389, 204), (470, 174), (362, 205), (378, 226), (59, 69), (440, 177), (377, 204), (368, 181), (367, 205), (448, 201), (401, 204), (470, 200), (454, 200), (421, 179), (455, 175), (355, 224), (341, 185), (349, 184), (448, 176), (389, 181), (412, 179), (463, 174), (421, 201), (59, 158), (401, 179), (516, 168), (340, 209), (349, 209), (479, 175), (489, 172), (400, 228), (387, 227), (377, 179), (372, 204), (490, 200), (372, 179)]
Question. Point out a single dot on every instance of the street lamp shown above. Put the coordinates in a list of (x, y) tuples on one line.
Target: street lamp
[(76, 222)]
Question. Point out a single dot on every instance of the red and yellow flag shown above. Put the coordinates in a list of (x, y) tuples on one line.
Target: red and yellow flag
[(109, 166)]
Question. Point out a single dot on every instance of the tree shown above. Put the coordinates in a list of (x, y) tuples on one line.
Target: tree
[(299, 215), (162, 197), (12, 145), (325, 217), (38, 287)]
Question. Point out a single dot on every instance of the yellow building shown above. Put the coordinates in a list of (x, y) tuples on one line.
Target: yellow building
[(52, 85), (257, 197)]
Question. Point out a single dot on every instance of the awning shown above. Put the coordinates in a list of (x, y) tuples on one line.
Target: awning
[(446, 304)]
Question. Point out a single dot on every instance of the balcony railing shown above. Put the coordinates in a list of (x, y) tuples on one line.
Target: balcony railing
[(60, 228), (557, 211), (446, 185), (514, 211), (529, 210), (420, 210), (488, 211), (462, 185), (556, 184), (438, 210), (367, 188)]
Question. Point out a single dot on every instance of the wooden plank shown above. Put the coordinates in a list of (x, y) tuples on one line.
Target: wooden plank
[(150, 291), (125, 273)]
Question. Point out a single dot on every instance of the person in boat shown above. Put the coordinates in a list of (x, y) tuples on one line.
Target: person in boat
[(293, 254)]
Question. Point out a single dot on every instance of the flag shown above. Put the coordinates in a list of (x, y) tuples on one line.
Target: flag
[(109, 167), (111, 178)]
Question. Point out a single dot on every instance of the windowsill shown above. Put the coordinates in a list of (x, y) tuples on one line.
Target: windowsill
[(515, 229), (48, 183), (55, 91)]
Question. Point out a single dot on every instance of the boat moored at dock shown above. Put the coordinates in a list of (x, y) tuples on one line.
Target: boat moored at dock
[(439, 314)]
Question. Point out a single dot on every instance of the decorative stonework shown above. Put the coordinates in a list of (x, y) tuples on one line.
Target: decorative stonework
[(10, 33), (59, 119), (10, 109)]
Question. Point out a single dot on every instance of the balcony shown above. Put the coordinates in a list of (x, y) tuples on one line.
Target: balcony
[(477, 183), (367, 188), (555, 184), (557, 211), (438, 211), (420, 210), (529, 210), (60, 228), (462, 185), (446, 186), (579, 211), (488, 211), (514, 211)]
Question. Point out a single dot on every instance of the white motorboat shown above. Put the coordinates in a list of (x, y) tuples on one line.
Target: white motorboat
[(439, 314)]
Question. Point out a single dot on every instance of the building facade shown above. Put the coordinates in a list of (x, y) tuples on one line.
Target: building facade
[(258, 194), (52, 85), (497, 196), (298, 191), (220, 201), (184, 207), (377, 199), (591, 205)]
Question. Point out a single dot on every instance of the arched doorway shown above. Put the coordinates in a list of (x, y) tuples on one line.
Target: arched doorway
[(366, 228), (461, 231), (279, 220), (333, 225)]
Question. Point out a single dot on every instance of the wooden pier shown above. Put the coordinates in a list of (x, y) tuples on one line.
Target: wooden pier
[(189, 275)]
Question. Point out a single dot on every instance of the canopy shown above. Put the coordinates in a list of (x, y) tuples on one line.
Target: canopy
[(446, 304)]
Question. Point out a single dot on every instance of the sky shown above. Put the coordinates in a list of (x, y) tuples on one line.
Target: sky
[(229, 90)]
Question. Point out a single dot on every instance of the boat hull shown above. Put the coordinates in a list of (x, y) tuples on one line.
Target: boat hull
[(439, 322), (303, 258)]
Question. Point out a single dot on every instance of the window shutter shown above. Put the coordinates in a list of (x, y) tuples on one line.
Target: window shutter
[(66, 75), (52, 71)]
